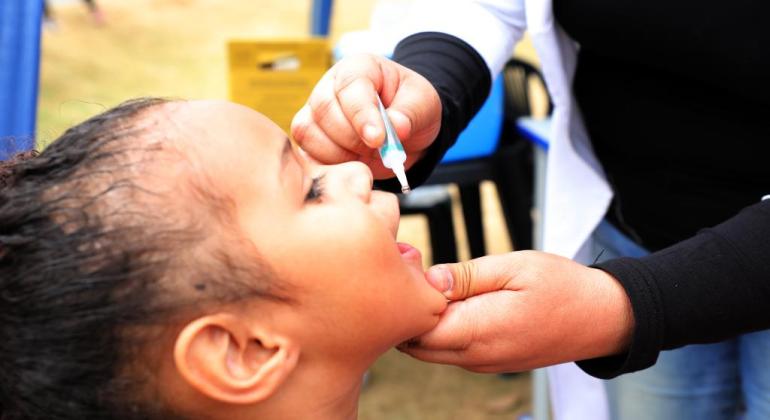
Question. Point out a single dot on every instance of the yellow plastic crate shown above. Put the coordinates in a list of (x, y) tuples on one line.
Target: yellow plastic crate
[(275, 77)]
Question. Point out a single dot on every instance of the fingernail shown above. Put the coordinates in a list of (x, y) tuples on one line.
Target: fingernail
[(441, 278), (371, 132)]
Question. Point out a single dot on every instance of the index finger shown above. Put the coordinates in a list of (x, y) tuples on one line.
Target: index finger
[(356, 86), (465, 326), (453, 333)]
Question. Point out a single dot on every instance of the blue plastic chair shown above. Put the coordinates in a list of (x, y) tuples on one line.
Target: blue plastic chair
[(478, 141), (20, 22), (470, 161), (467, 163), (491, 148), (481, 136)]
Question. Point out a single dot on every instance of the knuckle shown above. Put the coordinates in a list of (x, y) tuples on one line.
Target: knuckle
[(475, 336), (299, 130), (504, 267), (300, 123), (356, 110), (355, 68), (359, 117), (351, 92), (321, 107), (343, 81), (467, 344), (467, 273)]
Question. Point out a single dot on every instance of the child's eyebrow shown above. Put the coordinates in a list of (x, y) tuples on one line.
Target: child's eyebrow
[(286, 153)]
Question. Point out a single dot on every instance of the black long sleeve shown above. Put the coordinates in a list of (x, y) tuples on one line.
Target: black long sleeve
[(675, 102), (713, 286), (462, 80)]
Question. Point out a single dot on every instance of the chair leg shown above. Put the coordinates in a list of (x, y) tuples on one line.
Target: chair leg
[(514, 177), (442, 233), (470, 197)]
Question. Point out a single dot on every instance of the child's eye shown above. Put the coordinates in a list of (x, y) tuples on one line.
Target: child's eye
[(316, 189)]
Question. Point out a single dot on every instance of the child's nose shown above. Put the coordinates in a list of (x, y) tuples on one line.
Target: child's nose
[(353, 178)]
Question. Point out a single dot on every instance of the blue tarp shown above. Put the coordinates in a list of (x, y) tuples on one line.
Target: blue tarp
[(321, 17), (19, 73)]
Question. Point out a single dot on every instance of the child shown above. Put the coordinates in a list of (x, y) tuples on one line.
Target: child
[(173, 259)]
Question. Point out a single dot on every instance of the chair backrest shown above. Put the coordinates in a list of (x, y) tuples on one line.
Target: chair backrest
[(481, 136), (512, 96), (520, 77)]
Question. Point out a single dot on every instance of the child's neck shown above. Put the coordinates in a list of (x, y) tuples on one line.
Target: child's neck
[(321, 393)]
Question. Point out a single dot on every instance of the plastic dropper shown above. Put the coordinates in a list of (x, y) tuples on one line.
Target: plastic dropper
[(392, 152)]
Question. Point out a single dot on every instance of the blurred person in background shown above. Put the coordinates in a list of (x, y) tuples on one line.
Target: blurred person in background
[(96, 13)]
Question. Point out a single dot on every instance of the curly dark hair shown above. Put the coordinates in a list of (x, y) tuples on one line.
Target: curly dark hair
[(90, 256), (6, 167)]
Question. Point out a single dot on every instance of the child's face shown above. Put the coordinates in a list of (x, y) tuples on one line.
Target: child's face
[(321, 228)]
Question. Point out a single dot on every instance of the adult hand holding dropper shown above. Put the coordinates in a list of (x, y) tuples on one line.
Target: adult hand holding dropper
[(342, 121)]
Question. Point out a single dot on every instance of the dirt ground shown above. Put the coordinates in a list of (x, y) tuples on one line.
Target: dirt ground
[(176, 48)]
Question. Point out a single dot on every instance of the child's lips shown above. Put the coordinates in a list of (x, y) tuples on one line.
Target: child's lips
[(409, 253)]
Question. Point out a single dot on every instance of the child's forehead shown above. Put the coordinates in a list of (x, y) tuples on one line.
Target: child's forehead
[(229, 143), (211, 112), (216, 122)]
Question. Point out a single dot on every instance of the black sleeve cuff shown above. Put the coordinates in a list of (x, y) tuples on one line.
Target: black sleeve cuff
[(647, 338), (706, 289), (461, 78)]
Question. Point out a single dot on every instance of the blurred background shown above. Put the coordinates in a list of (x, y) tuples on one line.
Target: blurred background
[(96, 56)]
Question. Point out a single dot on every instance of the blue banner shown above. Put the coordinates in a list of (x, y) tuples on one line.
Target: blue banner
[(20, 22)]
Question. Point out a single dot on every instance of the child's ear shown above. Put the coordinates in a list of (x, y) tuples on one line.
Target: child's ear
[(230, 360)]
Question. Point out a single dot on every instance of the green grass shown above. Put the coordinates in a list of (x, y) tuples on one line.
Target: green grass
[(406, 389), (168, 48)]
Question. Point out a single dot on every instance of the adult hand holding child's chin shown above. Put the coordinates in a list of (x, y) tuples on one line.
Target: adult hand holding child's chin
[(523, 310)]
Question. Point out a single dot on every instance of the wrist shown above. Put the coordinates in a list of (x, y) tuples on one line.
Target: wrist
[(618, 315)]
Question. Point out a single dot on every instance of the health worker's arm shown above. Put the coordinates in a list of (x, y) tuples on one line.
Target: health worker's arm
[(711, 287)]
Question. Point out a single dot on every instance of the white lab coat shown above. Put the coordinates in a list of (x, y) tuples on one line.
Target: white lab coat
[(577, 194)]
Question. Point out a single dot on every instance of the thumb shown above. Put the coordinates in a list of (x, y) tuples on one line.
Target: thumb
[(462, 280)]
